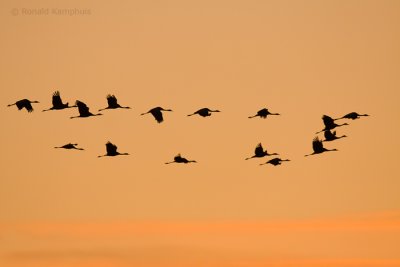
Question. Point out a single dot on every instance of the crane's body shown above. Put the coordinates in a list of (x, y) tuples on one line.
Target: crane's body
[(113, 103), (330, 136), (111, 151), (70, 146), (204, 112), (57, 103), (259, 152), (353, 116), (157, 113), (263, 113), (275, 161), (329, 124), (318, 147), (24, 103), (179, 159), (84, 110)]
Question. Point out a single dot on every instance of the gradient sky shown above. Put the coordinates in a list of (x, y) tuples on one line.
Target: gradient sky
[(302, 59)]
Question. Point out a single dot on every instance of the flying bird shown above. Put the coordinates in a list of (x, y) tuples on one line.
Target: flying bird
[(259, 152), (84, 110), (111, 151), (112, 103), (330, 136), (57, 103), (204, 112), (263, 113), (24, 103), (69, 146), (179, 159), (352, 115), (157, 113), (329, 124), (275, 161), (318, 147)]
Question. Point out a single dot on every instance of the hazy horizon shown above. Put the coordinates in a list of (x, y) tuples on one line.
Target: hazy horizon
[(302, 60)]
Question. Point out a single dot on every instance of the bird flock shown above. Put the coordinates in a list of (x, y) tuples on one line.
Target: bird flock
[(157, 113)]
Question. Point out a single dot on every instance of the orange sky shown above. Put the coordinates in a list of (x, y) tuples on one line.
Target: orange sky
[(300, 59)]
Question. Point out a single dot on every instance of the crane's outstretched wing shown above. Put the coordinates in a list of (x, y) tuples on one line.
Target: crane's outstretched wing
[(24, 103), (111, 148), (157, 114), (82, 107), (259, 150), (263, 113), (112, 101), (275, 161), (28, 106), (329, 135), (328, 121), (317, 145), (57, 102)]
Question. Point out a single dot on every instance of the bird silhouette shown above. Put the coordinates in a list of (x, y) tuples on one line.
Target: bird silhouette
[(275, 161), (112, 103), (84, 110), (318, 147), (69, 146), (24, 103), (204, 112), (263, 113), (329, 124), (157, 113), (330, 136), (179, 159), (57, 103), (259, 152), (111, 151), (352, 115)]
